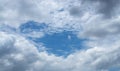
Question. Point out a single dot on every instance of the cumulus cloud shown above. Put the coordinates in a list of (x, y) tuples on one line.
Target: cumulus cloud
[(19, 54), (96, 20), (13, 53)]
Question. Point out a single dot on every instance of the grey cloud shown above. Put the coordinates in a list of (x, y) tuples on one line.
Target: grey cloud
[(97, 33), (75, 11), (102, 29), (12, 54), (107, 7), (5, 46), (116, 27), (108, 60)]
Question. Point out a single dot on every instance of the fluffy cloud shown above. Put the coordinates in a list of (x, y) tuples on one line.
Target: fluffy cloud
[(96, 20), (14, 12), (19, 54), (13, 53), (58, 14)]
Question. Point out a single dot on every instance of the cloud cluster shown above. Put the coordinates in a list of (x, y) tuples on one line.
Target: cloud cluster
[(96, 20), (19, 54)]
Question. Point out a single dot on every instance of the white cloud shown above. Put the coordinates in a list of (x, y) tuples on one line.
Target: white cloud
[(14, 12), (99, 24), (19, 54)]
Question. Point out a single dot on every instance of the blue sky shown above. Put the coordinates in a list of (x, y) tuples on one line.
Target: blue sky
[(62, 43), (59, 35), (58, 43)]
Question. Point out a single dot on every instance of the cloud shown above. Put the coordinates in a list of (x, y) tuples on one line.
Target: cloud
[(107, 7), (102, 29), (19, 54), (96, 20), (75, 11), (14, 13), (13, 53), (19, 12)]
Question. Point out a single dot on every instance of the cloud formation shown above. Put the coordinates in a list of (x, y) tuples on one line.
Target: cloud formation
[(105, 7), (14, 12), (96, 20), (19, 54)]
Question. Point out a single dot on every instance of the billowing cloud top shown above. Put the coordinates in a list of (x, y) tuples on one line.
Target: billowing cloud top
[(23, 24)]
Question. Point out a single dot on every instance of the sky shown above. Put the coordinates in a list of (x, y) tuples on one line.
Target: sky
[(59, 35)]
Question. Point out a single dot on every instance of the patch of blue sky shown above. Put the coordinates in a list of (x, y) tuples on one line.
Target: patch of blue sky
[(62, 43), (32, 26), (58, 43)]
